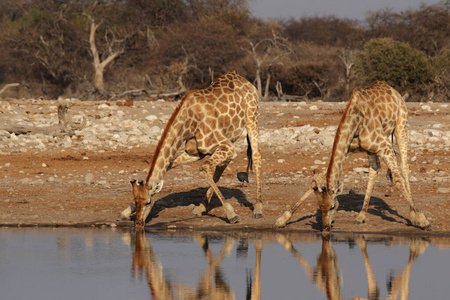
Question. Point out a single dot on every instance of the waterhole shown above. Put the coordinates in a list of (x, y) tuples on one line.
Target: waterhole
[(125, 264)]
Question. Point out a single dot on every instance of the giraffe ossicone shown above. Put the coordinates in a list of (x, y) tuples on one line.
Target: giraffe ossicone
[(373, 116), (208, 122)]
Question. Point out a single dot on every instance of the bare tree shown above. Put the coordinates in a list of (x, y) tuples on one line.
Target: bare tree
[(347, 56), (116, 47), (266, 53)]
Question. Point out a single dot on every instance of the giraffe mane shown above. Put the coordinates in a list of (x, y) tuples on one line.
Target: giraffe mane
[(339, 134), (164, 135)]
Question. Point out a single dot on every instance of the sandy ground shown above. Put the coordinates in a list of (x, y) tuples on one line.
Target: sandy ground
[(63, 198)]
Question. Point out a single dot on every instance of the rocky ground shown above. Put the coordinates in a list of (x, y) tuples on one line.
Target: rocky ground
[(83, 179)]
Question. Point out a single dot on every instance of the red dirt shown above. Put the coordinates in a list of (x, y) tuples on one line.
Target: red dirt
[(64, 199)]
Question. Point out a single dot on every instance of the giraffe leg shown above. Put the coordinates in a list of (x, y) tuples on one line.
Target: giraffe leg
[(191, 154), (199, 210), (401, 136), (126, 213), (284, 218), (252, 131), (418, 219), (183, 159), (223, 153), (256, 156), (374, 165)]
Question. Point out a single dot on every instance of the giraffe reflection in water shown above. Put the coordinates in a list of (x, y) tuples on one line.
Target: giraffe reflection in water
[(327, 277), (211, 284), (398, 284)]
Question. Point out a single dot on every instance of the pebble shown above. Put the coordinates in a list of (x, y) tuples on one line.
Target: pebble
[(89, 178), (442, 190), (361, 170)]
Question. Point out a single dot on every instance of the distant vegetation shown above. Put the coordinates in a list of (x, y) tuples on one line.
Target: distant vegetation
[(147, 48)]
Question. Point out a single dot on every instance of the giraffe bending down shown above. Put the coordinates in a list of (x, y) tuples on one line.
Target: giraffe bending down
[(208, 122), (373, 115)]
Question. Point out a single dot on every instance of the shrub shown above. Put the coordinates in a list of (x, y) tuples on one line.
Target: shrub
[(406, 69)]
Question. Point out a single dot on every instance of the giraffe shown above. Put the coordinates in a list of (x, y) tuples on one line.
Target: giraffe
[(373, 115), (208, 122)]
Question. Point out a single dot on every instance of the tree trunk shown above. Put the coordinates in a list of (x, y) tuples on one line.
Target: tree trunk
[(99, 66), (258, 80), (266, 90)]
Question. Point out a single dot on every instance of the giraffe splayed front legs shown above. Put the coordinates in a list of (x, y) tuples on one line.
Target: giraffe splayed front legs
[(208, 122), (373, 116)]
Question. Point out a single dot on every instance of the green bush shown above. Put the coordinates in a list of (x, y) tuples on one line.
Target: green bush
[(406, 69), (441, 71)]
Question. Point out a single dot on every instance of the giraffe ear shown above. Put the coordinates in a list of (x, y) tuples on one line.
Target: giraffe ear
[(158, 187)]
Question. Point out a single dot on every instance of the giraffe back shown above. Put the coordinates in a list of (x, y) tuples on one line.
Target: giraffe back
[(380, 106), (220, 111)]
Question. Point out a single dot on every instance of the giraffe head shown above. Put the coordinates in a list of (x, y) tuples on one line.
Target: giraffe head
[(142, 196), (328, 205)]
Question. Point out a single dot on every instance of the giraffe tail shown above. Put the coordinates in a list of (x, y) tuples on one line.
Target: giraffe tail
[(249, 155), (389, 176)]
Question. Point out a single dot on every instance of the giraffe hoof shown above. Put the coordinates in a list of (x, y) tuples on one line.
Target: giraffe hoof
[(122, 217), (420, 221), (257, 211), (281, 221), (360, 219), (234, 219), (257, 215), (198, 211), (358, 222)]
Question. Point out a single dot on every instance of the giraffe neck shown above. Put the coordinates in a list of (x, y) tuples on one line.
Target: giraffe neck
[(173, 136), (344, 136)]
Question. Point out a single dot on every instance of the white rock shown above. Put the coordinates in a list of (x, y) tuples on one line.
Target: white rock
[(151, 118), (4, 133), (426, 107), (442, 190), (104, 107), (313, 107), (361, 170), (89, 178)]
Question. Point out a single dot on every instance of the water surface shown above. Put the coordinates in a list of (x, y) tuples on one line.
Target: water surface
[(124, 264)]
